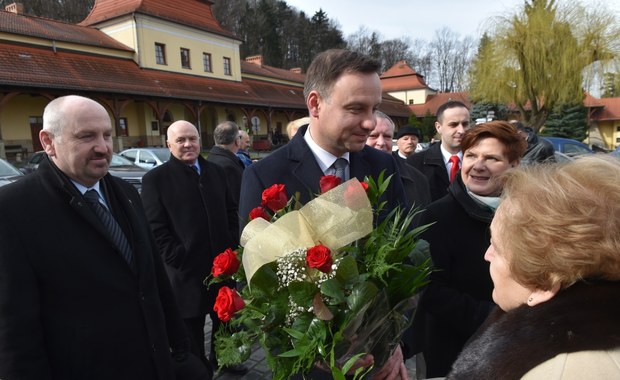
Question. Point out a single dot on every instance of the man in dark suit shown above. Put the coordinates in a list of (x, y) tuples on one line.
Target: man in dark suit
[(194, 218), (227, 143), (441, 162), (415, 183), (342, 91), (83, 292)]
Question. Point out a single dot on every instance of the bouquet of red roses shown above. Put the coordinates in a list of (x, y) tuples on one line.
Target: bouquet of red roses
[(322, 284)]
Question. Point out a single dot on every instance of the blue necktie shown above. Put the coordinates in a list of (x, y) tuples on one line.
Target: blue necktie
[(118, 237)]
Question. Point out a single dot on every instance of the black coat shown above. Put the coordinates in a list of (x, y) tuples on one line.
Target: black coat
[(70, 306), (193, 219), (233, 168), (582, 317), (430, 163), (294, 166), (459, 296), (415, 183)]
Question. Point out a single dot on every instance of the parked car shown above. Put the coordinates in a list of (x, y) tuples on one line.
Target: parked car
[(119, 167), (8, 173), (127, 170), (569, 147), (146, 158)]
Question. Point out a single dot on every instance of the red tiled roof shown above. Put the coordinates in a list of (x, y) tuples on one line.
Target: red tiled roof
[(401, 77), (610, 110), (271, 72), (195, 13), (393, 106), (433, 102), (591, 102), (53, 30), (42, 68)]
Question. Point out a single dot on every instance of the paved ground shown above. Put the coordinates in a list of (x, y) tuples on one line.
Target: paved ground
[(258, 366)]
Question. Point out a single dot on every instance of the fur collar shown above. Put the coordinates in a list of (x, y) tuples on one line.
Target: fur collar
[(582, 317)]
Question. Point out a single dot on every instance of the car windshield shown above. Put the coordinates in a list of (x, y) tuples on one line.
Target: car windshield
[(120, 161), (163, 154), (8, 170)]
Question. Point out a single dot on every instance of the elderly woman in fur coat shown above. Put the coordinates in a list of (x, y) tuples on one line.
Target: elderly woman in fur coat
[(555, 264)]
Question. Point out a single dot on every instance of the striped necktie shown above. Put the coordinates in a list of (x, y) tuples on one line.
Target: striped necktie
[(116, 233)]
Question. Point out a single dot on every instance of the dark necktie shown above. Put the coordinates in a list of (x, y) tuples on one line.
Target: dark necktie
[(455, 167), (339, 165), (118, 237)]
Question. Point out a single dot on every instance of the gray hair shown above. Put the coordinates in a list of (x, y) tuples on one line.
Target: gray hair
[(226, 133), (381, 115)]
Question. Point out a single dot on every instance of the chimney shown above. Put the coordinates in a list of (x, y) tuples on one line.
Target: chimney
[(255, 59), (17, 8), (296, 70)]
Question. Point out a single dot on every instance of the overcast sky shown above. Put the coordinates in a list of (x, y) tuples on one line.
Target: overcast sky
[(419, 19)]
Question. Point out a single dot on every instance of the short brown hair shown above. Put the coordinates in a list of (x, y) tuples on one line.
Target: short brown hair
[(505, 132), (560, 223), (329, 65)]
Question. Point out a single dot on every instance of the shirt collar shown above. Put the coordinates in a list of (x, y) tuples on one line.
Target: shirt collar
[(323, 157), (446, 155)]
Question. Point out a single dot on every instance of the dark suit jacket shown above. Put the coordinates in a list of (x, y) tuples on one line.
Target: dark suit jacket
[(430, 163), (70, 306), (416, 186), (233, 168), (294, 166), (193, 219)]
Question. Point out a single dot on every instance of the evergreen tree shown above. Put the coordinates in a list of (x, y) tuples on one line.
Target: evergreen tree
[(611, 85), (567, 120), (427, 126), (482, 110)]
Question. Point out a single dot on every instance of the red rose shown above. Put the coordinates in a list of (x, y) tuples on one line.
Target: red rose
[(319, 257), (259, 212), (364, 185), (328, 182), (274, 197), (225, 263), (227, 303)]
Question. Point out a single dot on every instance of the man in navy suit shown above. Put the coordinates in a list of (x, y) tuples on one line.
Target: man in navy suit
[(342, 92)]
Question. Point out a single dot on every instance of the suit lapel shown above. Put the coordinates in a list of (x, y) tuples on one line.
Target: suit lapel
[(304, 166), (359, 167)]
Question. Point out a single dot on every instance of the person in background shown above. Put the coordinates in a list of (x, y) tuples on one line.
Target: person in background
[(538, 150), (415, 183), (86, 296), (293, 126), (407, 139), (556, 273), (244, 146), (458, 297), (227, 143), (441, 162), (342, 92), (193, 216)]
